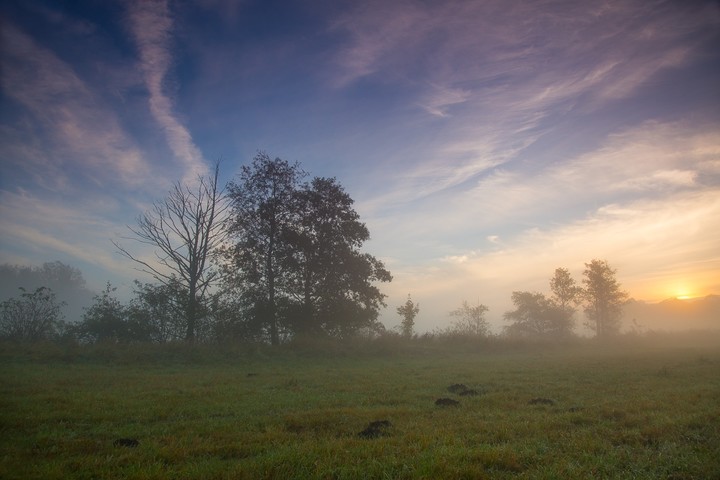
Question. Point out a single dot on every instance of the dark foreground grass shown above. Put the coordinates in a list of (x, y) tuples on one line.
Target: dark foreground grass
[(638, 412)]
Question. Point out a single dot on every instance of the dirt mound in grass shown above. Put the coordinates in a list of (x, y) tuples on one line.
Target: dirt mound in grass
[(446, 402), (457, 388), (462, 390), (375, 429), (126, 442)]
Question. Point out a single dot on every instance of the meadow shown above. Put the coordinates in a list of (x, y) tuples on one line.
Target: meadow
[(585, 410)]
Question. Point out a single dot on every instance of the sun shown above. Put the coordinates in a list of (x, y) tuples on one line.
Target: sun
[(683, 292)]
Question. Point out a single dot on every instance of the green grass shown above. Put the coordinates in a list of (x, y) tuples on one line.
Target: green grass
[(635, 412)]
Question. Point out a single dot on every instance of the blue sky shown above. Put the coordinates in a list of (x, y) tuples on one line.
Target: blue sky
[(485, 142)]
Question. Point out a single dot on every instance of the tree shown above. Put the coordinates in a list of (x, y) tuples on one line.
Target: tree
[(263, 207), (31, 317), (408, 312), (161, 308), (537, 316), (470, 320), (107, 320), (326, 275), (564, 289), (66, 282), (603, 298), (185, 229)]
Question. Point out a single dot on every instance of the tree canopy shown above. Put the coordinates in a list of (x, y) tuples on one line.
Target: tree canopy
[(295, 261), (603, 297)]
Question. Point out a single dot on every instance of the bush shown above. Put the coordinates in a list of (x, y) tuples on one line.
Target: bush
[(31, 317)]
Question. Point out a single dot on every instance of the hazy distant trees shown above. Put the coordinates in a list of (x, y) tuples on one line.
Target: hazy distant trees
[(184, 229), (66, 282), (295, 264), (470, 321), (535, 315), (565, 291), (408, 312), (603, 297), (32, 316)]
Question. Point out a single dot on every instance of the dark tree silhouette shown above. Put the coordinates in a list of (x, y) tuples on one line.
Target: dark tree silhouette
[(296, 261), (109, 321), (185, 229), (603, 298), (161, 307), (263, 203), (327, 274)]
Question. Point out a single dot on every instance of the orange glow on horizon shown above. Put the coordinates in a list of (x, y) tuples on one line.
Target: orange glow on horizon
[(684, 289)]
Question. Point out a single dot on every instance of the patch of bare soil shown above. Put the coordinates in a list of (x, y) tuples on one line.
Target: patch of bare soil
[(126, 442), (375, 429), (446, 402)]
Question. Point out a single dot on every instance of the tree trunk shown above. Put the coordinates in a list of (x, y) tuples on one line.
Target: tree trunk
[(274, 337), (190, 315)]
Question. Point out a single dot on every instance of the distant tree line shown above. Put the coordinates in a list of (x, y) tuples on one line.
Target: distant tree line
[(271, 257), (538, 316)]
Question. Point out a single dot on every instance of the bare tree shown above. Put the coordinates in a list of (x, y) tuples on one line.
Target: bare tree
[(185, 229), (471, 320)]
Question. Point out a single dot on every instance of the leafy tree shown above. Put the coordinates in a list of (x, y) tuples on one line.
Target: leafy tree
[(66, 282), (333, 282), (185, 229), (31, 317), (160, 307), (537, 316), (263, 207), (603, 298), (58, 273), (408, 312), (470, 320), (565, 291), (107, 320)]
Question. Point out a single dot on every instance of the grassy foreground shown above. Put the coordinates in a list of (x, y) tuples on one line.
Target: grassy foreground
[(635, 412)]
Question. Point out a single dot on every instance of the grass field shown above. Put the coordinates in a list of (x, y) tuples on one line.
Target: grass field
[(639, 412)]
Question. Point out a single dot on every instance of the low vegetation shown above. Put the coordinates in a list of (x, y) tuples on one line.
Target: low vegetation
[(584, 409)]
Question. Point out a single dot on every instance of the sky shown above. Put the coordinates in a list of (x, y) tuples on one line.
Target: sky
[(485, 143)]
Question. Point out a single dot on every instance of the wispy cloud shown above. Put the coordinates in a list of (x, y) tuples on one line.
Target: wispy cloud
[(151, 25), (502, 73), (441, 98), (72, 132), (80, 230)]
